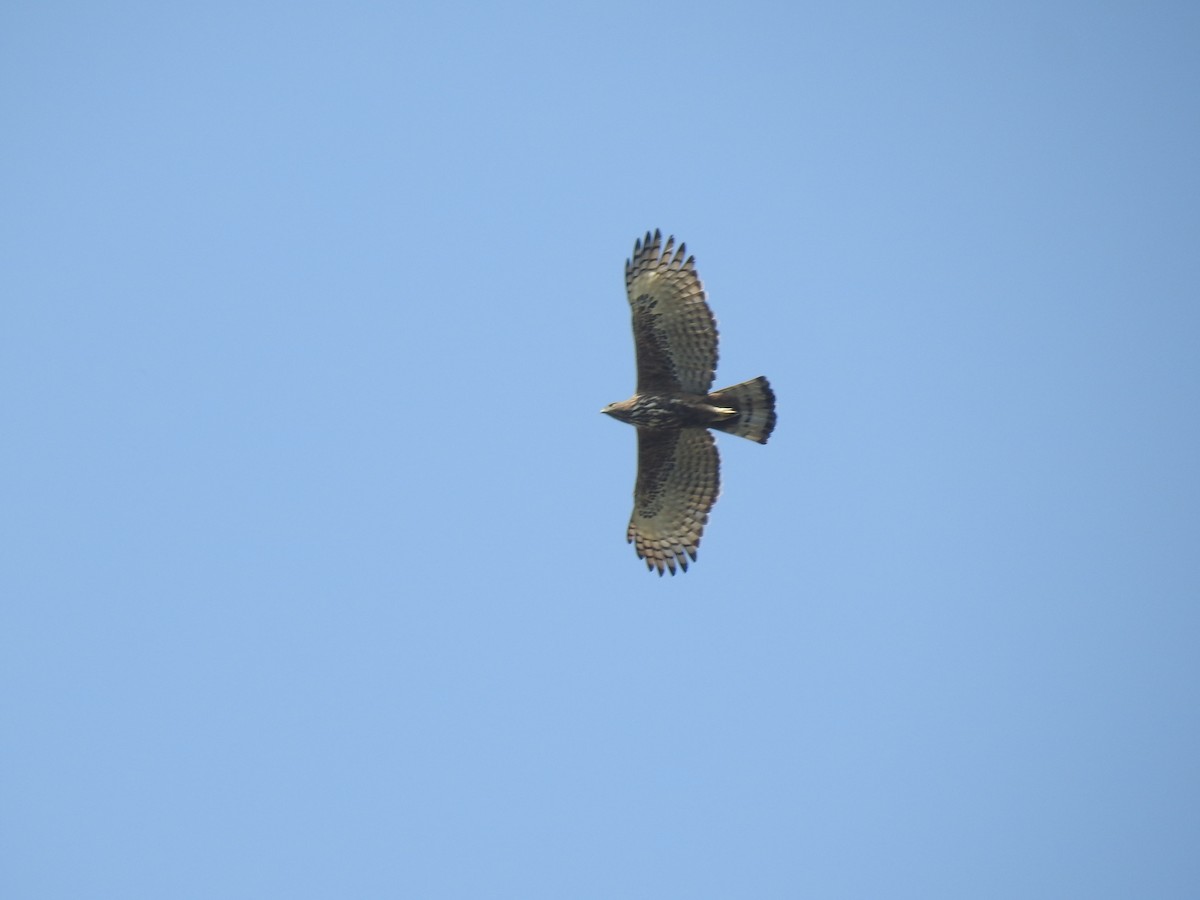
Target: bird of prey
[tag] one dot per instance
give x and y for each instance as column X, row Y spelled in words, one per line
column 675, row 336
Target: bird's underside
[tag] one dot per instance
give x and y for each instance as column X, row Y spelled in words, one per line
column 675, row 337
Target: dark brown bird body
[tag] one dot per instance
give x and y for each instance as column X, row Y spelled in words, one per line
column 667, row 411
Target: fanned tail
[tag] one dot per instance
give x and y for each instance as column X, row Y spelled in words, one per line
column 754, row 403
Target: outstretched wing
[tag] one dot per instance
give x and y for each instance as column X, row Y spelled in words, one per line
column 674, row 331
column 677, row 484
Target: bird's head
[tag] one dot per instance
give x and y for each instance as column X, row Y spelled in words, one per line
column 618, row 410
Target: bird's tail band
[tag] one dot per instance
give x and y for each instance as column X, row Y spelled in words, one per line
column 754, row 404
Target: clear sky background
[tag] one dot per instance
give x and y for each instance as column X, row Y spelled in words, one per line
column 313, row 564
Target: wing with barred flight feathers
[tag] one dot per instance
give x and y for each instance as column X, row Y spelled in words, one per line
column 674, row 331
column 677, row 484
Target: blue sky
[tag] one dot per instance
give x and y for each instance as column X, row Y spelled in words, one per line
column 313, row 568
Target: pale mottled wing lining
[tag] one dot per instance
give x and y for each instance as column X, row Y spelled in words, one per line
column 677, row 484
column 674, row 331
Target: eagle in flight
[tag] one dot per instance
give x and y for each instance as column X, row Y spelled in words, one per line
column 675, row 336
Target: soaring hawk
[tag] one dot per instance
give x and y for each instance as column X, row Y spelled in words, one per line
column 678, row 469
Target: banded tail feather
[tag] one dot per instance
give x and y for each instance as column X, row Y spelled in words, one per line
column 753, row 403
